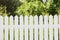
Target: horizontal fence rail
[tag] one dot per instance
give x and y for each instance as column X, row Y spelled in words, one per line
column 30, row 27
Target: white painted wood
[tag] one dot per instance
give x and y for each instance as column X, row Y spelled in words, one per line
column 31, row 27
column 59, row 26
column 21, row 27
column 36, row 27
column 21, row 33
column 16, row 20
column 31, row 19
column 6, row 27
column 35, row 20
column 55, row 19
column 41, row 27
column 46, row 19
column 44, row 1
column 11, row 27
column 16, row 27
column 11, row 20
column 51, row 20
column 26, row 33
column 31, row 33
column 50, row 27
column 45, row 27
column 35, row 32
column 1, row 28
column 26, row 20
column 40, row 20
column 26, row 27
column 56, row 27
column 21, row 20
column 59, row 19
column 1, row 20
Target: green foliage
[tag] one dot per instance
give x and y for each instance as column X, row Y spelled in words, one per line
column 11, row 5
column 36, row 7
column 31, row 8
column 3, row 11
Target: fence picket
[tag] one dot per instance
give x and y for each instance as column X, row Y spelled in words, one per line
column 21, row 27
column 31, row 27
column 36, row 27
column 6, row 27
column 45, row 27
column 56, row 27
column 40, row 20
column 50, row 27
column 35, row 20
column 41, row 27
column 59, row 26
column 16, row 27
column 26, row 27
column 59, row 19
column 11, row 27
column 1, row 28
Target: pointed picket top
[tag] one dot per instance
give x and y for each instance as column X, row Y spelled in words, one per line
column 36, row 20
column 55, row 19
column 11, row 20
column 16, row 20
column 0, row 16
column 50, row 19
column 21, row 20
column 59, row 19
column 46, row 19
column 1, row 20
column 26, row 20
column 56, row 27
column 44, row 1
column 40, row 19
column 16, row 27
column 1, row 28
column 31, row 20
column 6, row 20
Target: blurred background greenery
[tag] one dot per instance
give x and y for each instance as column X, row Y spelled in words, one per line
column 29, row 7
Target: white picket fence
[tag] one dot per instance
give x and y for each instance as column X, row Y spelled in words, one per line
column 30, row 28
